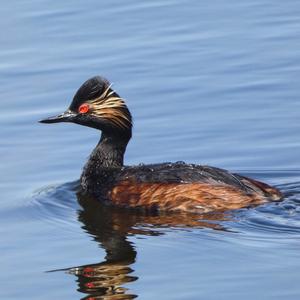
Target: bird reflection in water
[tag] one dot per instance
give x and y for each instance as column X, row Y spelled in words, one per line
column 111, row 227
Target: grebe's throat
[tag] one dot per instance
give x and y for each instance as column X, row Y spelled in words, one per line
column 109, row 152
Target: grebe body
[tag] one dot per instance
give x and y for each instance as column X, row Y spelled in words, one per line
column 158, row 187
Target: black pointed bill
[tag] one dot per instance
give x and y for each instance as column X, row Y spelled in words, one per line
column 67, row 116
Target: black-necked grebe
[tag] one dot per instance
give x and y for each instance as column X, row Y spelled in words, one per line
column 162, row 187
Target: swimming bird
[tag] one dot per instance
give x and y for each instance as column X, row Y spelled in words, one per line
column 156, row 187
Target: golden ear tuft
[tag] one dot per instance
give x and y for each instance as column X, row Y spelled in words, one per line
column 111, row 107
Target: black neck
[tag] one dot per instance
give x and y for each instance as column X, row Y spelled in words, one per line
column 109, row 152
column 105, row 158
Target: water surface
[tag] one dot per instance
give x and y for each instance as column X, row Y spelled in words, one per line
column 212, row 83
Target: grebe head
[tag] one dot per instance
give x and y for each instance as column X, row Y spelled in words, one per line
column 97, row 105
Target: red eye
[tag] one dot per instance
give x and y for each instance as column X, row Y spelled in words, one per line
column 84, row 108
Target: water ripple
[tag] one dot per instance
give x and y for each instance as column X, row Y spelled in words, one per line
column 55, row 204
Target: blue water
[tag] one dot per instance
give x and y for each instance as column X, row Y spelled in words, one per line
column 207, row 82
